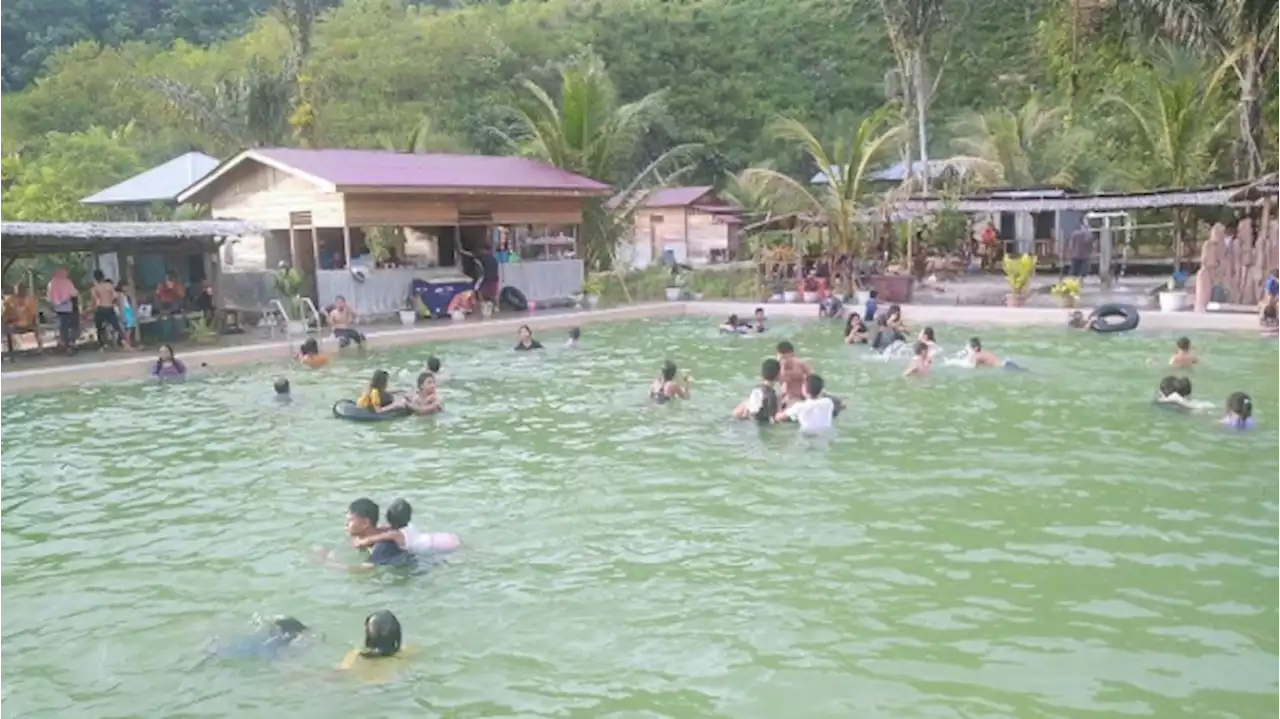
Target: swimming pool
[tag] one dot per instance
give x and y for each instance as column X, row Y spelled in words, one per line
column 978, row 544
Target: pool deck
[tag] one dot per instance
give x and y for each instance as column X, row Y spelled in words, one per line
column 96, row 367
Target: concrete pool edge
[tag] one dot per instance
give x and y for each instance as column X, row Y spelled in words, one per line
column 134, row 367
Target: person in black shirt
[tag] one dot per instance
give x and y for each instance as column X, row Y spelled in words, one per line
column 527, row 342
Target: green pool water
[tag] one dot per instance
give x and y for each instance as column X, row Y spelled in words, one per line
column 979, row 544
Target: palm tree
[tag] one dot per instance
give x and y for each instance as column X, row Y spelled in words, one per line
column 422, row 139
column 248, row 110
column 1242, row 33
column 1031, row 146
column 848, row 163
column 1174, row 117
column 1173, row 114
column 589, row 131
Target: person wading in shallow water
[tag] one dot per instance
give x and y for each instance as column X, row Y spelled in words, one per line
column 794, row 371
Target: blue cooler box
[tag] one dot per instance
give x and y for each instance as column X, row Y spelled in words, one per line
column 436, row 295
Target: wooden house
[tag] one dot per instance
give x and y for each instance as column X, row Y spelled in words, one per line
column 692, row 223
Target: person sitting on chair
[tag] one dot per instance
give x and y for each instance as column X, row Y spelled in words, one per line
column 20, row 317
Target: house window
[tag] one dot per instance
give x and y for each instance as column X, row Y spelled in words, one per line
column 655, row 219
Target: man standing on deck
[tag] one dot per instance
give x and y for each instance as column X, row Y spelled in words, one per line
column 1080, row 248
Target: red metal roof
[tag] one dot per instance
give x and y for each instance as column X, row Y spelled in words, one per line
column 376, row 168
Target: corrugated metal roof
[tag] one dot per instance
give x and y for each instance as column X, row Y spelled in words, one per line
column 676, row 196
column 161, row 183
column 375, row 168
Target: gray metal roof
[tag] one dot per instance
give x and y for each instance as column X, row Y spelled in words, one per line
column 161, row 183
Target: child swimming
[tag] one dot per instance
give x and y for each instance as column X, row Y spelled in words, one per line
column 381, row 657
column 376, row 396
column 793, row 373
column 268, row 642
column 733, row 325
column 406, row 536
column 984, row 358
column 1239, row 412
column 762, row 404
column 309, row 354
column 425, row 400
column 759, row 326
column 920, row 362
column 574, row 335
column 1182, row 354
column 855, row 331
column 282, row 390
column 814, row 412
column 665, row 387
column 167, row 366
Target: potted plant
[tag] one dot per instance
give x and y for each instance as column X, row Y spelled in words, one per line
column 1018, row 273
column 809, row 291
column 674, row 286
column 202, row 332
column 1067, row 291
column 408, row 315
column 591, row 289
column 1173, row 298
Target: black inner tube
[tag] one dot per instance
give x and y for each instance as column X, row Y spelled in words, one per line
column 1114, row 318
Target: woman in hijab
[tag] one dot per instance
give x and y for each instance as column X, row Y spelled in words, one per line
column 65, row 299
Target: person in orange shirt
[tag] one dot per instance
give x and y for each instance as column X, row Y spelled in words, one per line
column 20, row 317
column 309, row 354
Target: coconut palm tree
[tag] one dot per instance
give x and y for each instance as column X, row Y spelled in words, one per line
column 589, row 131
column 422, row 139
column 911, row 25
column 1032, row 145
column 849, row 162
column 1242, row 34
column 1173, row 114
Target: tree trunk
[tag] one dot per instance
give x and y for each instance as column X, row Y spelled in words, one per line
column 920, row 86
column 1248, row 158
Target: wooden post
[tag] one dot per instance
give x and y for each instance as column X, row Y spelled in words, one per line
column 315, row 250
column 293, row 247
column 346, row 244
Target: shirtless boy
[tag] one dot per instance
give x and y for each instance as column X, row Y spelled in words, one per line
column 981, row 357
column 793, row 373
column 104, row 310
column 341, row 317
column 1182, row 354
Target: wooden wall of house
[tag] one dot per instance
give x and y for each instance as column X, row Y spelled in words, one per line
column 370, row 210
column 265, row 195
column 692, row 232
column 705, row 236
column 415, row 209
column 656, row 227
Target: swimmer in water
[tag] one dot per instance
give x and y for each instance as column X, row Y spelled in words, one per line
column 1239, row 412
column 794, row 372
column 759, row 326
column 400, row 530
column 574, row 335
column 814, row 412
column 893, row 319
column 268, row 642
column 1268, row 322
column 1077, row 320
column 376, row 396
column 309, row 354
column 885, row 335
column 666, row 387
column 527, row 343
column 362, row 522
column 381, row 657
column 733, row 325
column 926, row 336
column 425, row 400
column 282, row 390
column 920, row 363
column 762, row 404
column 1183, row 357
column 983, row 358
column 855, row 331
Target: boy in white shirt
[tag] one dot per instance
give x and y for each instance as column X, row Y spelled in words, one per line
column 815, row 411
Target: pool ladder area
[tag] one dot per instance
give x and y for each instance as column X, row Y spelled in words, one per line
column 277, row 316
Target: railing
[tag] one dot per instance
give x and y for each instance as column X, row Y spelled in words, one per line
column 315, row 313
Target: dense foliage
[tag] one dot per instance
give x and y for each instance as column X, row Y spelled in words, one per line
column 98, row 90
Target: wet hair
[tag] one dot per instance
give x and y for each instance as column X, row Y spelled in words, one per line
column 759, row 310
column 668, row 371
column 1241, row 405
column 813, row 385
column 1184, row 343
column 732, row 321
column 1168, row 386
column 922, row 348
column 381, row 635
column 873, row 294
column 339, row 298
column 786, row 348
column 1184, row 387
column 366, row 508
column 288, row 627
column 770, row 369
column 310, row 346
column 433, row 364
column 423, row 377
column 574, row 333
column 928, row 333
column 282, row 386
column 1076, row 319
column 525, row 328
column 975, row 343
column 379, row 380
column 98, row 276
column 399, row 514
column 895, row 311
column 855, row 320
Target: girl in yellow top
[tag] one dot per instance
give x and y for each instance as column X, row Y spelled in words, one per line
column 382, row 657
column 376, row 396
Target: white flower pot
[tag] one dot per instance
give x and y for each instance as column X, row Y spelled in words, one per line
column 775, row 298
column 810, row 297
column 1173, row 301
column 593, row 301
column 673, row 294
column 408, row 317
column 458, row 315
column 486, row 309
column 789, row 296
